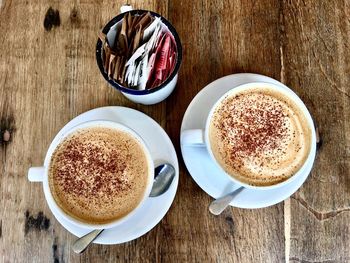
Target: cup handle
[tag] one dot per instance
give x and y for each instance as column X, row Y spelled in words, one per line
column 193, row 137
column 36, row 174
column 125, row 8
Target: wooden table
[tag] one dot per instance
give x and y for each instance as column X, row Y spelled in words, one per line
column 48, row 75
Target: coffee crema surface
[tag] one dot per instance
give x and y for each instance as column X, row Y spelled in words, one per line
column 259, row 136
column 98, row 175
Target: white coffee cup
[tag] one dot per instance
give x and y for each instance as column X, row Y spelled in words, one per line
column 41, row 174
column 200, row 137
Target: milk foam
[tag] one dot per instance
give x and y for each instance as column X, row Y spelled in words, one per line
column 98, row 175
column 259, row 136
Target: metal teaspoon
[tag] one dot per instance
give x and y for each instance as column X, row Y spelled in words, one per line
column 217, row 206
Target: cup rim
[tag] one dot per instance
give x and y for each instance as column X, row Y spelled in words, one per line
column 115, row 84
column 95, row 123
column 295, row 98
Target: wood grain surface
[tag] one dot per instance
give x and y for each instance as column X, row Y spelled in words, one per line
column 48, row 75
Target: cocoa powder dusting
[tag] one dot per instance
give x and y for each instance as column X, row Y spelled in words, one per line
column 251, row 125
column 99, row 174
column 84, row 169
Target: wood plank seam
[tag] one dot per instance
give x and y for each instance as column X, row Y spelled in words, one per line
column 287, row 203
column 287, row 228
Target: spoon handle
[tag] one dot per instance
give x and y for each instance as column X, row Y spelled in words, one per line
column 82, row 243
column 217, row 206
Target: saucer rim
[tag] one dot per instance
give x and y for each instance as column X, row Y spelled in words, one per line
column 253, row 78
column 76, row 230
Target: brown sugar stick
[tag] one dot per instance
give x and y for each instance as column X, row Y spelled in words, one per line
column 129, row 19
column 111, row 66
column 137, row 39
column 135, row 21
column 133, row 32
column 122, row 45
column 144, row 28
column 130, row 28
column 102, row 36
column 130, row 25
column 145, row 20
column 123, row 74
column 139, row 18
column 130, row 51
column 121, row 70
column 107, row 56
column 117, row 69
column 104, row 56
column 140, row 28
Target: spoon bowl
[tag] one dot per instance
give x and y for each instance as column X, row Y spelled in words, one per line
column 164, row 175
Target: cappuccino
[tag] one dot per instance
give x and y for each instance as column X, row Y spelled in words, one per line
column 98, row 174
column 259, row 136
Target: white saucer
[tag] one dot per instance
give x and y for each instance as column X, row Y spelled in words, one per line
column 203, row 169
column 155, row 208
